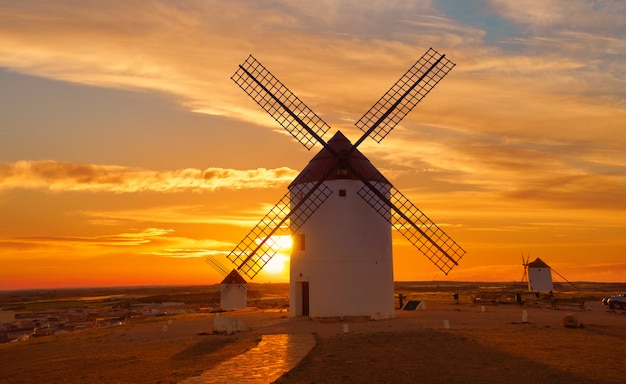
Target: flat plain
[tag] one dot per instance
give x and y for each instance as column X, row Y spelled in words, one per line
column 490, row 341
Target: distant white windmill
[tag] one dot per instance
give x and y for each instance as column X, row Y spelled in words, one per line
column 539, row 276
column 233, row 292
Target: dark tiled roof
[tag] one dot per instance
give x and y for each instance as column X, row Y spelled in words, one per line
column 538, row 263
column 234, row 278
column 325, row 163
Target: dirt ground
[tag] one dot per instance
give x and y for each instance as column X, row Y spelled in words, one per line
column 481, row 344
column 494, row 346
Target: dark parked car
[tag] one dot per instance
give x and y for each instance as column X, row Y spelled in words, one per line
column 615, row 302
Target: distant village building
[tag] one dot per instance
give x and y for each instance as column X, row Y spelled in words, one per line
column 539, row 277
column 234, row 292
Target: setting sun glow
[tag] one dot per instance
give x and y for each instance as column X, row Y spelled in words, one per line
column 127, row 153
column 283, row 242
column 282, row 245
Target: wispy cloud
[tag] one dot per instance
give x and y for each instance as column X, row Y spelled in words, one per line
column 187, row 253
column 357, row 52
column 148, row 241
column 44, row 246
column 57, row 176
column 178, row 214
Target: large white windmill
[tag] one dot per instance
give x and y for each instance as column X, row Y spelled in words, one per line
column 341, row 210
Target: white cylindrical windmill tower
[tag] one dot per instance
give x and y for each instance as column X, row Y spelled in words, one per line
column 539, row 276
column 341, row 263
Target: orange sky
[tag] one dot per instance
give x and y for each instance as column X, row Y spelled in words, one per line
column 127, row 155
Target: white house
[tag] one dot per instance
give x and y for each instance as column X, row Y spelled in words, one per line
column 341, row 263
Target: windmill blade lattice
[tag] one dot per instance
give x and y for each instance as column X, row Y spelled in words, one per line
column 404, row 95
column 219, row 267
column 415, row 226
column 277, row 100
column 260, row 245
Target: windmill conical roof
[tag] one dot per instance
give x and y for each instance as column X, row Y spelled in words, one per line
column 234, row 278
column 538, row 263
column 326, row 164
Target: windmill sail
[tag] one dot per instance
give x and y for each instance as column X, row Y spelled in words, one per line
column 415, row 226
column 260, row 245
column 404, row 95
column 396, row 208
column 219, row 267
column 277, row 100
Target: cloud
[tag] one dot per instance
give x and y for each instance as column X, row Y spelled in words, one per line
column 577, row 191
column 178, row 214
column 45, row 246
column 357, row 51
column 190, row 51
column 148, row 241
column 138, row 237
column 58, row 176
column 187, row 253
column 597, row 16
column 588, row 32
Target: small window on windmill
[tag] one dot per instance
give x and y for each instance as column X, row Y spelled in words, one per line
column 342, row 172
column 301, row 243
column 342, row 192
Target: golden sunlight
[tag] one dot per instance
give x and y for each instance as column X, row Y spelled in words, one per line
column 276, row 264
column 277, row 242
column 282, row 245
column 282, row 242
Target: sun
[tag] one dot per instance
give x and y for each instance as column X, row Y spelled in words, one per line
column 276, row 264
column 282, row 244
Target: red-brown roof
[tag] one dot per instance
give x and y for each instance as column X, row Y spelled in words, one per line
column 538, row 263
column 325, row 163
column 234, row 278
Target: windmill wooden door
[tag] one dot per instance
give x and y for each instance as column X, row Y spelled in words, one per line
column 304, row 298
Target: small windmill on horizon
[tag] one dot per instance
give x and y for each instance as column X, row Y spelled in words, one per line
column 538, row 276
column 340, row 210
